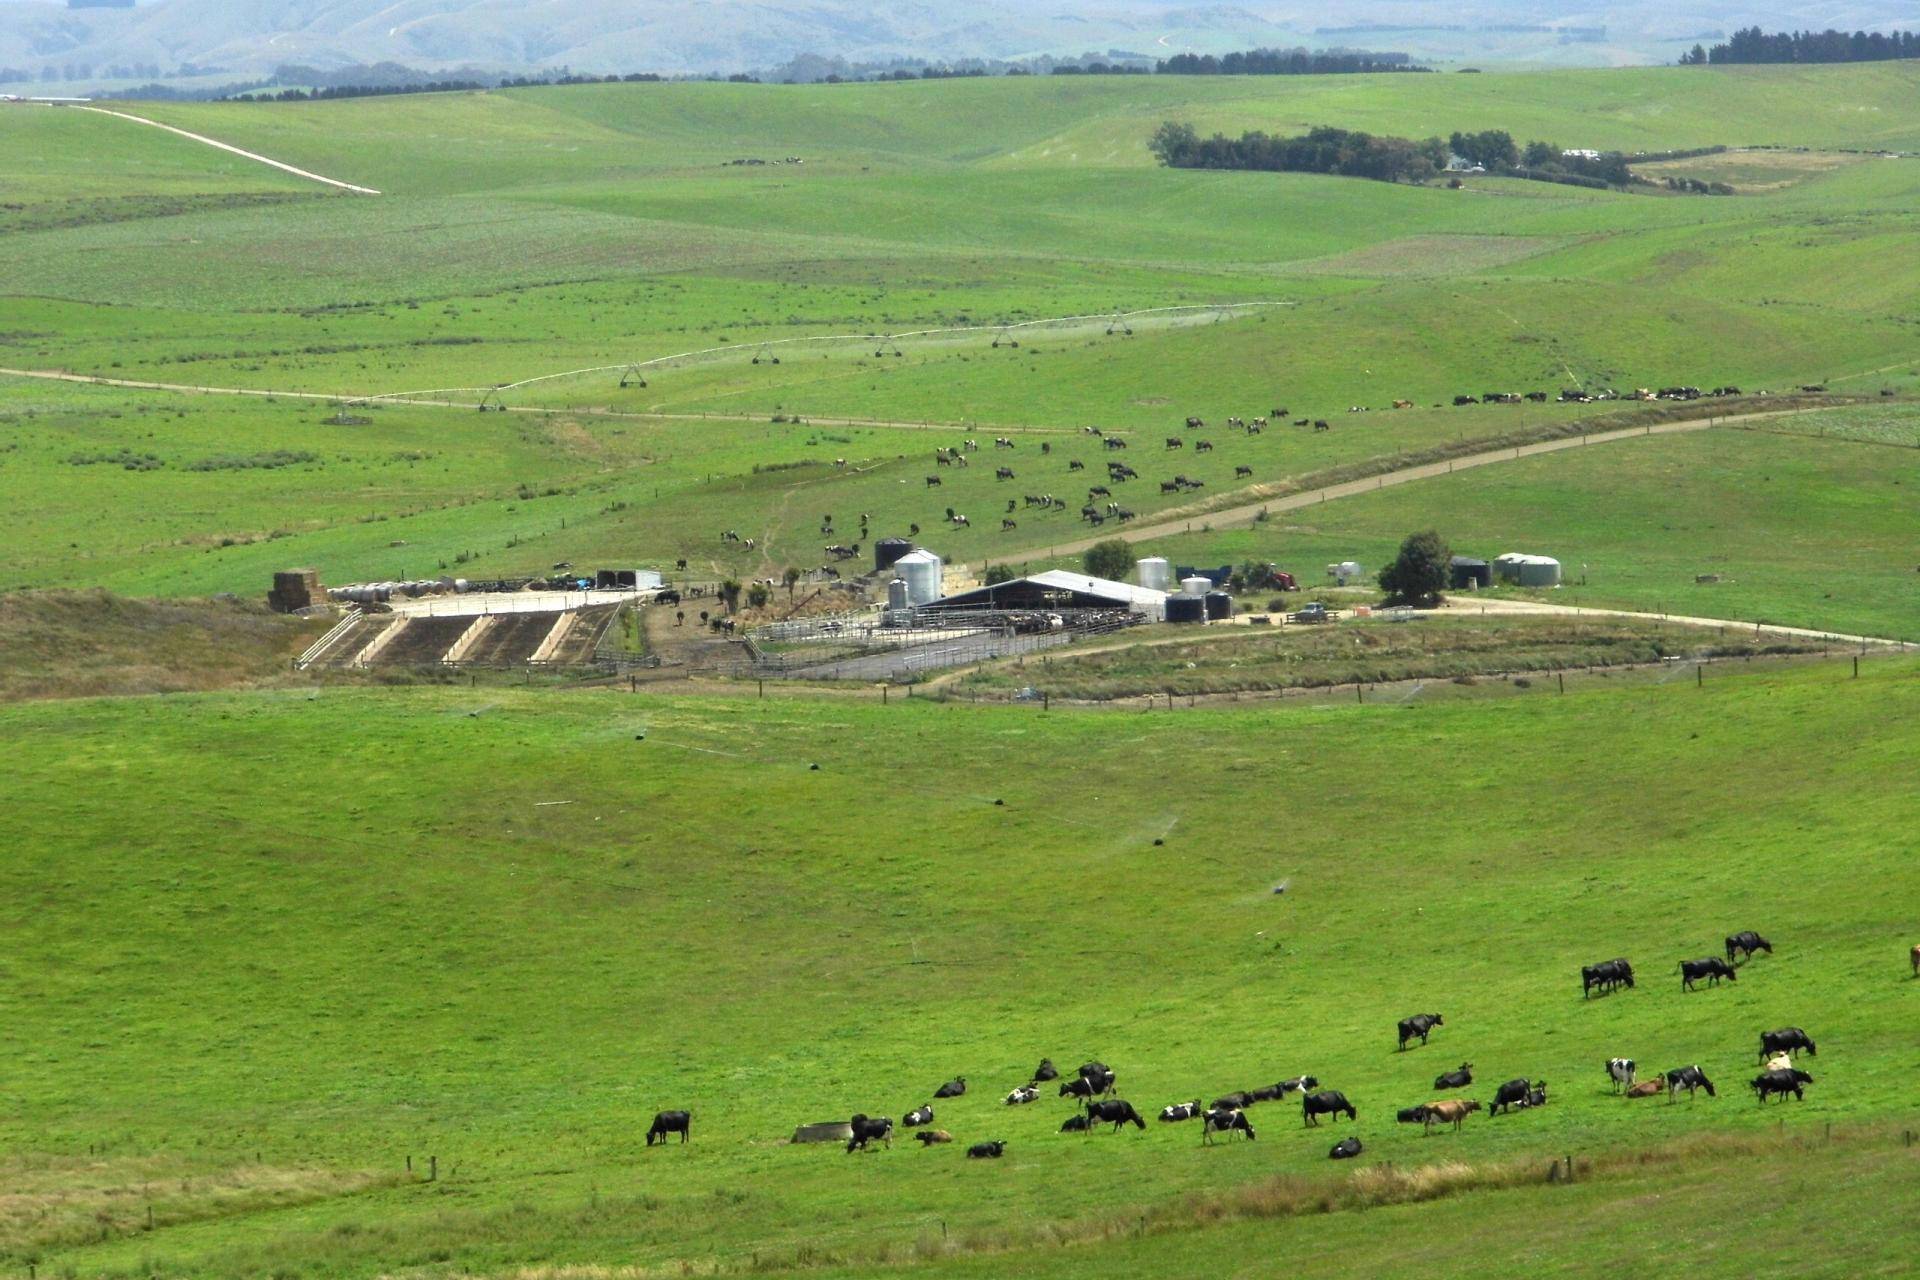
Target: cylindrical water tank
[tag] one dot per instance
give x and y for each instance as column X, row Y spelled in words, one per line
column 1186, row 609
column 897, row 594
column 1156, row 574
column 920, row 570
column 1219, row 605
column 1196, row 585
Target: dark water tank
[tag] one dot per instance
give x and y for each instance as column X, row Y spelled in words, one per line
column 887, row 550
column 1219, row 605
column 1186, row 609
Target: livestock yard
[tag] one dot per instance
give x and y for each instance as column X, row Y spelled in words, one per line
column 972, row 706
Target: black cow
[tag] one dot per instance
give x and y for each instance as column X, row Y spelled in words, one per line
column 1785, row 1081
column 1745, row 943
column 866, row 1129
column 986, row 1150
column 1074, row 1124
column 952, row 1088
column 1513, row 1093
column 1098, row 1075
column 1455, row 1079
column 1688, row 1078
column 1113, row 1111
column 1239, row 1101
column 1411, row 1115
column 1345, row 1149
column 1785, row 1040
column 1225, row 1120
column 1606, row 975
column 666, row 1122
column 1420, row 1024
column 1713, row 968
column 1325, row 1102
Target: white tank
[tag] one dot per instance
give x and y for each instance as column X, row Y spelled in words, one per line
column 897, row 594
column 920, row 570
column 1196, row 585
column 1155, row 573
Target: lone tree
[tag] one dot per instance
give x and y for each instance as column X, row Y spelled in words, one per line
column 1112, row 559
column 758, row 595
column 998, row 573
column 1419, row 573
column 729, row 595
column 791, row 578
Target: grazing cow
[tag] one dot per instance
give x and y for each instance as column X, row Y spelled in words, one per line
column 1023, row 1095
column 1509, row 1095
column 986, row 1150
column 1620, row 1071
column 1645, row 1089
column 1203, row 446
column 1225, row 1120
column 1745, row 943
column 959, row 522
column 1114, row 442
column 933, row 1137
column 1045, row 447
column 1099, row 491
column 1688, row 1078
column 1236, row 422
column 1008, row 524
column 1194, row 422
column 922, row 1114
column 1345, row 1149
column 1239, row 1101
column 1784, row 1082
column 953, row 1088
column 933, row 482
column 1180, row 1111
column 1169, row 486
column 1454, row 1109
column 666, row 1122
column 1113, row 1111
column 1076, row 1088
column 1455, row 1079
column 1606, row 975
column 1411, row 1115
column 1003, row 473
column 1001, row 442
column 1045, row 1071
column 1243, row 473
column 1713, row 968
column 1915, row 957
column 866, row 1129
column 1074, row 1124
column 1175, row 442
column 1788, row 1040
column 1325, row 1102
column 1537, row 397
column 1420, row 1024
column 1074, row 464
column 1321, row 424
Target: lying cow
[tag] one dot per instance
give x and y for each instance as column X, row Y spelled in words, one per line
column 1074, row 1124
column 1180, row 1111
column 1786, row 1040
column 1420, row 1024
column 1345, row 1149
column 1298, row 1084
column 1045, row 1071
column 1023, row 1095
column 1620, row 1071
column 1234, row 1101
column 666, row 1122
column 986, row 1150
column 867, row 1129
column 922, row 1114
column 952, row 1088
column 1645, row 1089
column 1325, row 1102
column 1713, row 968
column 1225, row 1120
column 1411, row 1115
column 933, row 1137
column 1448, row 1109
column 1458, row 1079
column 1688, row 1078
column 1784, row 1082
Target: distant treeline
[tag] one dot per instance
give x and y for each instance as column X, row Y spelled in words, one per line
column 1286, row 62
column 434, row 86
column 1755, row 45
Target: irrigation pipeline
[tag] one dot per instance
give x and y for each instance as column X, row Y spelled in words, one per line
column 1114, row 320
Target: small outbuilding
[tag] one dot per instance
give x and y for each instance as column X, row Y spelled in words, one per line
column 887, row 551
column 1464, row 573
column 1059, row 589
column 1521, row 570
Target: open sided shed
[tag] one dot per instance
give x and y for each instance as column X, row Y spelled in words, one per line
column 1059, row 589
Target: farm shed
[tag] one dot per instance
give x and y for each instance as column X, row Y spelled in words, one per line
column 888, row 550
column 1059, row 589
column 1527, row 571
column 1464, row 573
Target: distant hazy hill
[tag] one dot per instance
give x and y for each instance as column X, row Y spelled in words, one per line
column 692, row 36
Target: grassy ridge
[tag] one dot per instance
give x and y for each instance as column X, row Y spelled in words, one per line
column 424, row 961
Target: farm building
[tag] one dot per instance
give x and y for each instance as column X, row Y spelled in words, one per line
column 1527, row 571
column 1059, row 589
column 1464, row 573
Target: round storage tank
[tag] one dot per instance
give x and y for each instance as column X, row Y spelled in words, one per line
column 1196, row 586
column 1186, row 609
column 920, row 570
column 897, row 594
column 1219, row 605
column 1155, row 573
column 887, row 551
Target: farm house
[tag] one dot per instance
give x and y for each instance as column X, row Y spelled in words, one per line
column 1059, row 589
column 1521, row 570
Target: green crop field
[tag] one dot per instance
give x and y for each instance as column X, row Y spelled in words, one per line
column 321, row 977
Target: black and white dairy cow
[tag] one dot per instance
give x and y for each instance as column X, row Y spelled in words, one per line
column 1787, row 1040
column 666, row 1122
column 869, row 1129
column 1688, row 1078
column 922, row 1114
column 1023, row 1095
column 1420, row 1024
column 1620, row 1071
column 1225, row 1120
column 1181, row 1111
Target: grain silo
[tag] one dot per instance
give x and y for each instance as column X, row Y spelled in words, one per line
column 1196, row 586
column 920, row 570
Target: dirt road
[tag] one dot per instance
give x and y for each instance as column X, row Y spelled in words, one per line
column 229, row 147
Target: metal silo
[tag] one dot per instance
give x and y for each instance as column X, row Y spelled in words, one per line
column 1155, row 573
column 920, row 570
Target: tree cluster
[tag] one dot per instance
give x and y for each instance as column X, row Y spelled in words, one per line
column 1285, row 62
column 1345, row 152
column 1755, row 45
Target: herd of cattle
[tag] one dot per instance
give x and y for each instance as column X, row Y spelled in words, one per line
column 1095, row 1086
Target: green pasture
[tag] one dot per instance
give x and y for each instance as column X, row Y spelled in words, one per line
column 277, row 943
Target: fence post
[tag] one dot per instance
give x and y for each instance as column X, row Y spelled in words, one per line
column 433, row 1168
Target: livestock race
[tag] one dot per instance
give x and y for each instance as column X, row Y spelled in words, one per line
column 947, row 644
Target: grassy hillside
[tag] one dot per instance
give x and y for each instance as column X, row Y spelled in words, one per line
column 348, row 929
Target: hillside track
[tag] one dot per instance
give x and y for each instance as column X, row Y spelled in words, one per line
column 281, row 165
column 1466, row 604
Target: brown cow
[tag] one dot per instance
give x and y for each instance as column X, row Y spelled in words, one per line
column 1454, row 1109
column 929, row 1137
column 1645, row 1089
column 1916, row 959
